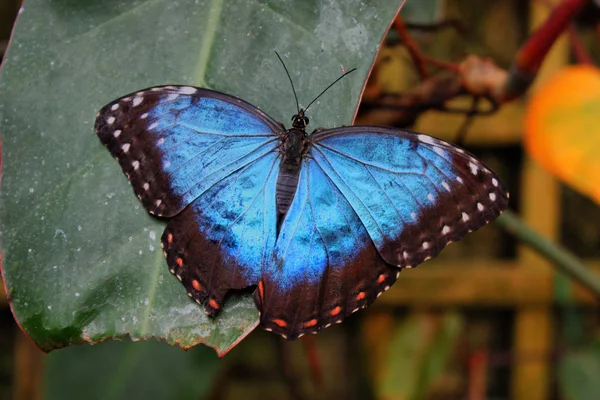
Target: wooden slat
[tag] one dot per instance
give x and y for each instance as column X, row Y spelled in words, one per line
column 533, row 325
column 27, row 384
column 478, row 283
column 502, row 128
column 533, row 329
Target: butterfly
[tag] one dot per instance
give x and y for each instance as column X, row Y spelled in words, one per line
column 320, row 224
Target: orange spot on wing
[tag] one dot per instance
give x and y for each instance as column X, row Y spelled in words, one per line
column 310, row 323
column 281, row 323
column 261, row 290
column 179, row 261
column 335, row 311
column 213, row 303
column 381, row 278
column 196, row 285
column 361, row 296
column 170, row 238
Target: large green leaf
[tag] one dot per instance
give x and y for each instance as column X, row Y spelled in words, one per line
column 82, row 260
column 125, row 370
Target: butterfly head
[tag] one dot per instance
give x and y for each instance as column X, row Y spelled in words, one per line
column 300, row 120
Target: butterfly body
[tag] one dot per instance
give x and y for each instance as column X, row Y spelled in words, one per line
column 294, row 146
column 321, row 224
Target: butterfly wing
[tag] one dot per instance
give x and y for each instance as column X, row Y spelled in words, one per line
column 369, row 200
column 324, row 266
column 221, row 241
column 209, row 161
column 175, row 142
column 413, row 193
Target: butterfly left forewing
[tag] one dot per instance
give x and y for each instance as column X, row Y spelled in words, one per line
column 175, row 142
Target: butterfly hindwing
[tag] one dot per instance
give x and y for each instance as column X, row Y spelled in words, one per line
column 324, row 267
column 175, row 142
column 413, row 193
column 221, row 241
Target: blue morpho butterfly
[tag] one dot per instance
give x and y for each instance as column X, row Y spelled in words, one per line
column 320, row 223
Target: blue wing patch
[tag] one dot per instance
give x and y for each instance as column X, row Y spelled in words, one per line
column 324, row 266
column 413, row 193
column 223, row 239
column 175, row 142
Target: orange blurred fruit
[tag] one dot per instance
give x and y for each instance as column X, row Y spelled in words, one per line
column 562, row 128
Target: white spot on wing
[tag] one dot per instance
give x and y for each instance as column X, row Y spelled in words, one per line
column 187, row 90
column 438, row 151
column 115, row 107
column 465, row 217
column 493, row 196
column 153, row 125
column 473, row 168
column 146, row 187
column 144, row 116
column 125, row 147
column 480, row 206
column 117, row 133
column 135, row 164
column 425, row 245
column 446, row 186
column 137, row 100
column 110, row 120
column 430, row 197
column 426, row 139
column 172, row 96
column 160, row 141
column 446, row 230
column 495, row 182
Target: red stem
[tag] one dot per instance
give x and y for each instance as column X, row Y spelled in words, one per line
column 316, row 372
column 412, row 47
column 532, row 53
column 581, row 53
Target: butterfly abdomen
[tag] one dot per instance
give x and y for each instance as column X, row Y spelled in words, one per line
column 293, row 149
column 287, row 182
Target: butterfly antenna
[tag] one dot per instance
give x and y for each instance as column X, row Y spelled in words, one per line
column 291, row 83
column 327, row 88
